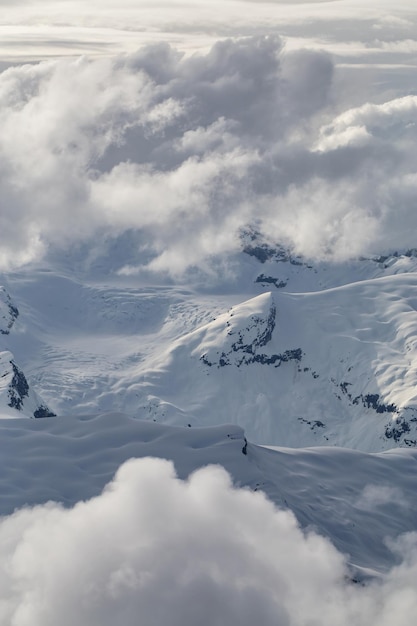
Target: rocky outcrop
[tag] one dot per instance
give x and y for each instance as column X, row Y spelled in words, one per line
column 15, row 391
column 248, row 331
column 8, row 312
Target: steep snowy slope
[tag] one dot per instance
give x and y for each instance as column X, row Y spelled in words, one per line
column 333, row 367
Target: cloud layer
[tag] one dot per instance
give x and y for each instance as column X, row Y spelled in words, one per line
column 33, row 30
column 155, row 550
column 186, row 151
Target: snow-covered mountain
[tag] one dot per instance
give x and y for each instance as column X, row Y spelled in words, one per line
column 163, row 383
column 335, row 366
column 296, row 353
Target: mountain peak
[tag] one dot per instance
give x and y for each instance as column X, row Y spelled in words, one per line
column 239, row 335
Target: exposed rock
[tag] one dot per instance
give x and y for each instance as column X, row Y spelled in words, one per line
column 270, row 280
column 14, row 387
column 18, row 388
column 8, row 312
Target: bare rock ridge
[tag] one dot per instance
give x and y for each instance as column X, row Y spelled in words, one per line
column 8, row 312
column 15, row 391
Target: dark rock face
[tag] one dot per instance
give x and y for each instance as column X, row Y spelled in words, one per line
column 254, row 245
column 369, row 401
column 18, row 391
column 277, row 359
column 43, row 411
column 8, row 312
column 270, row 280
column 400, row 428
column 245, row 352
column 19, row 388
column 262, row 338
column 264, row 359
column 372, row 401
column 263, row 252
column 403, row 429
column 313, row 424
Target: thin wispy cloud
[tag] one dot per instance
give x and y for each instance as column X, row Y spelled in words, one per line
column 126, row 25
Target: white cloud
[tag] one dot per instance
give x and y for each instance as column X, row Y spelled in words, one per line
column 157, row 550
column 376, row 119
column 188, row 150
column 41, row 29
column 379, row 495
column 351, row 136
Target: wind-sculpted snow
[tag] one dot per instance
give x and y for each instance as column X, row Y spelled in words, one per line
column 196, row 548
column 71, row 459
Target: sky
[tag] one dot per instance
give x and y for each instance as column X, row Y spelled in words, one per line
column 373, row 33
column 35, row 29
column 181, row 123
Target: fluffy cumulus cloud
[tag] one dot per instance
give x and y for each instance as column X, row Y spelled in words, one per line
column 154, row 550
column 185, row 151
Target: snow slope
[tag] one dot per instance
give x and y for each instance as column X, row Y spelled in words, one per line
column 295, row 353
column 71, row 459
column 199, row 374
column 336, row 366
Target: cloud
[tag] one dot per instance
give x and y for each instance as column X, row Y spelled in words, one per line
column 162, row 551
column 379, row 495
column 185, row 151
column 376, row 120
